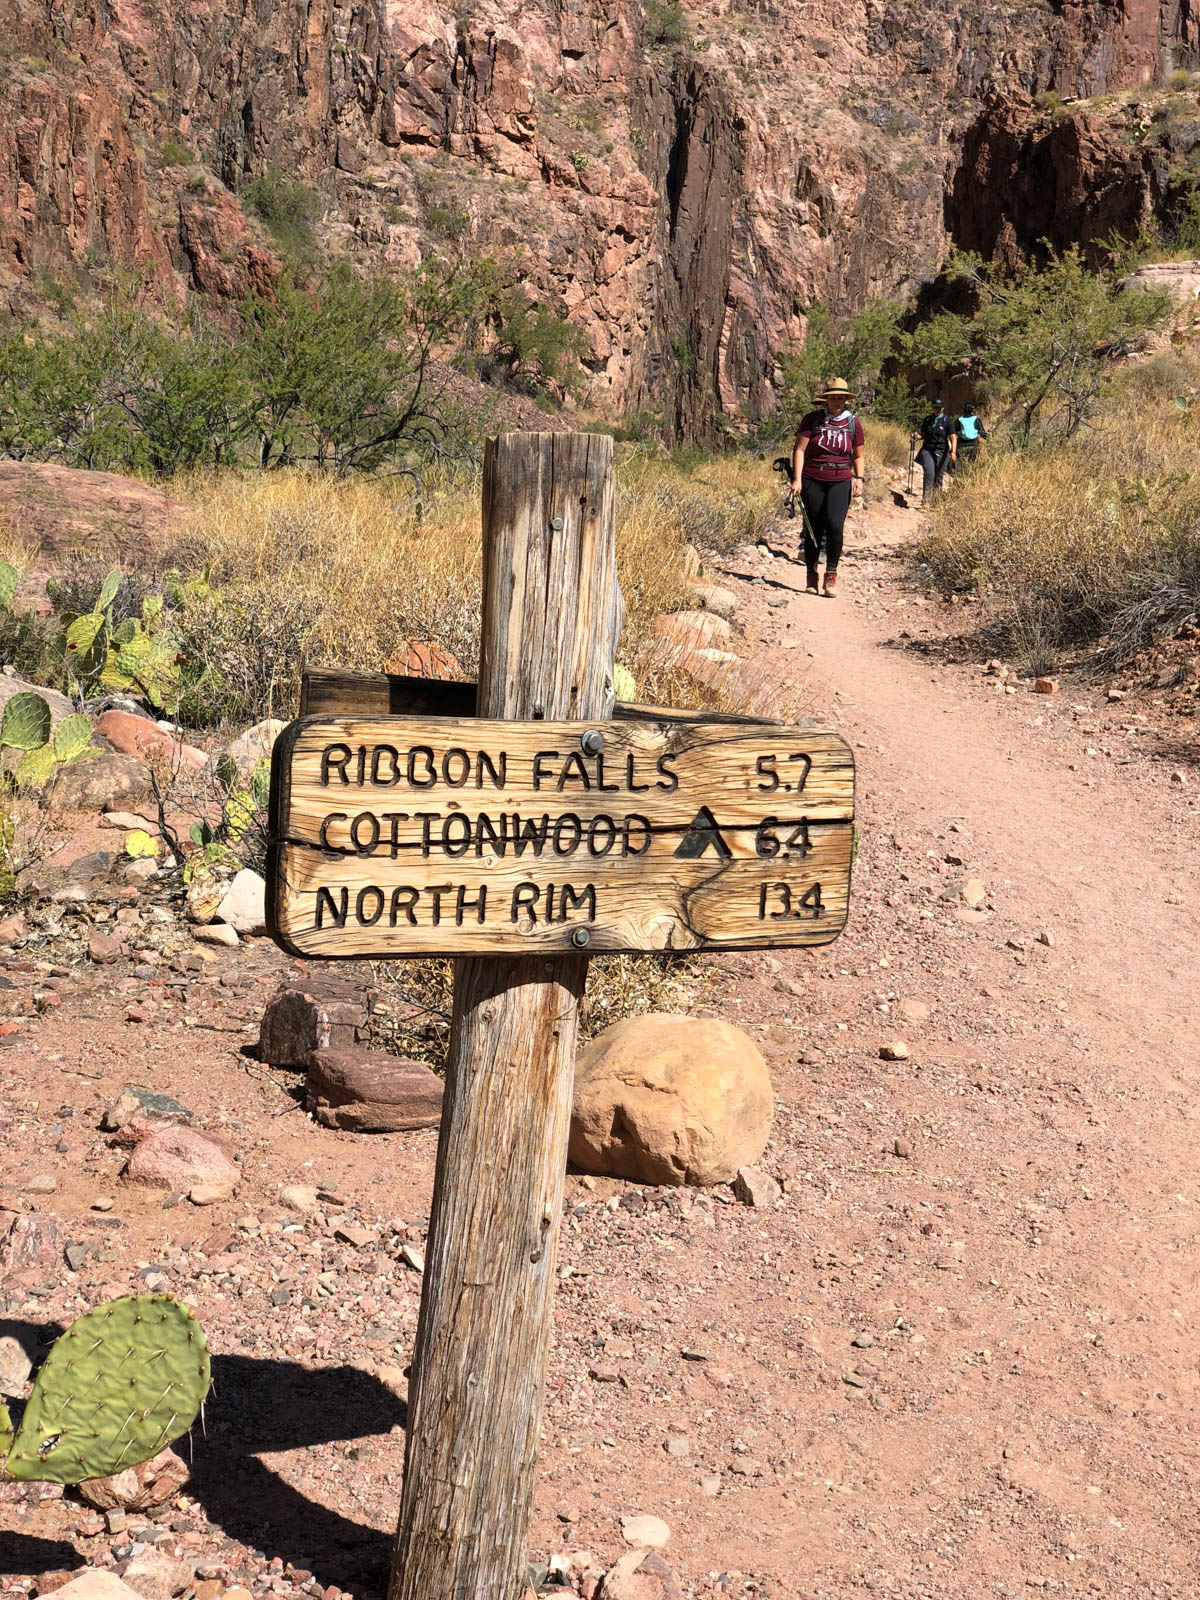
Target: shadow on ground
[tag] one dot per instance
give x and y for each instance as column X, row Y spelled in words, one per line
column 257, row 1407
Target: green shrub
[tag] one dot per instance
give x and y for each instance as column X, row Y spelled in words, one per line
column 286, row 207
column 666, row 22
column 1179, row 80
column 175, row 153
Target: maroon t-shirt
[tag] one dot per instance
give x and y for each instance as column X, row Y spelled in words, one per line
column 832, row 441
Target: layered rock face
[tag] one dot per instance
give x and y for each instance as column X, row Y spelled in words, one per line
column 683, row 183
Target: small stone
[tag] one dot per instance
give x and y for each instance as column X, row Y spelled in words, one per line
column 245, row 904
column 1046, row 938
column 974, row 894
column 75, row 1255
column 347, row 1233
column 853, row 1380
column 216, row 933
column 127, row 821
column 15, row 1365
column 755, row 1188
column 645, row 1532
column 298, row 1197
column 135, row 1103
column 116, row 1521
column 1179, row 779
column 1017, row 944
column 42, row 1184
column 679, row 1448
column 914, row 1010
column 213, row 1192
column 710, row 1486
column 863, row 1341
column 1045, row 686
column 902, row 1148
column 894, row 1050
column 1116, row 694
column 105, row 948
column 105, row 1203
column 412, row 1257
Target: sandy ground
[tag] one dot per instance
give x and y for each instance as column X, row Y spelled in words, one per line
column 958, row 1360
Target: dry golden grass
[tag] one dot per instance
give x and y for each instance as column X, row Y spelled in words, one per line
column 1075, row 541
column 887, row 443
column 316, row 571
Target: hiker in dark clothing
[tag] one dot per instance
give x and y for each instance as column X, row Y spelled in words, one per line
column 971, row 433
column 827, row 469
column 939, row 448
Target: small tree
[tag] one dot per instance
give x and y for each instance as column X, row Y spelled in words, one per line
column 855, row 348
column 1044, row 335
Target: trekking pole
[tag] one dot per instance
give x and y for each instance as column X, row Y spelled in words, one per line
column 912, row 456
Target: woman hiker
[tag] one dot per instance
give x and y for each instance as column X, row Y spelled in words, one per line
column 970, row 432
column 827, row 467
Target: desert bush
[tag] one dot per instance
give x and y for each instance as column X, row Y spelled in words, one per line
column 1095, row 538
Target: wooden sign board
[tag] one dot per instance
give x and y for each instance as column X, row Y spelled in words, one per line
column 416, row 836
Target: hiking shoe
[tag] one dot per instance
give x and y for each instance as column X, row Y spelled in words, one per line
column 831, row 583
column 811, row 581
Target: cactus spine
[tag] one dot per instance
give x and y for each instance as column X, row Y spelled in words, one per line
column 122, row 1382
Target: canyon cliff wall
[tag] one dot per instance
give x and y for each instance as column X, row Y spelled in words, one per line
column 683, row 184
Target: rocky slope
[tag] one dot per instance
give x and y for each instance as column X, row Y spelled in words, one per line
column 684, row 184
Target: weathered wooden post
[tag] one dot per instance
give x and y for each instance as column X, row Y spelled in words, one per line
column 519, row 829
column 550, row 620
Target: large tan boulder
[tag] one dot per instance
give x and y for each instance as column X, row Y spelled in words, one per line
column 670, row 1100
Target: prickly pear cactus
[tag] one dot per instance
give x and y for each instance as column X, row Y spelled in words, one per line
column 121, row 1383
column 6, row 1433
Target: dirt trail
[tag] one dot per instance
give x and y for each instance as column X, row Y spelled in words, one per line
column 1075, row 1135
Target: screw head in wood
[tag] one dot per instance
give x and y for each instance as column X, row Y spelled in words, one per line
column 556, row 524
column 592, row 742
column 581, row 937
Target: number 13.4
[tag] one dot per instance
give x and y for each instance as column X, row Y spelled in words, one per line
column 790, row 902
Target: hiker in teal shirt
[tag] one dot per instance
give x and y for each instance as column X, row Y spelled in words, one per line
column 971, row 431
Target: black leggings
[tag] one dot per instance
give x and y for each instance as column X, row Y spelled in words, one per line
column 825, row 508
column 933, row 467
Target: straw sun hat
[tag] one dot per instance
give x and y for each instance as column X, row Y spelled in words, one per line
column 835, row 389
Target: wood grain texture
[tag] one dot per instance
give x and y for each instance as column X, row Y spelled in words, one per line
column 422, row 836
column 551, row 617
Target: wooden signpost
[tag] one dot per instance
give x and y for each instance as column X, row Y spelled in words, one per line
column 522, row 826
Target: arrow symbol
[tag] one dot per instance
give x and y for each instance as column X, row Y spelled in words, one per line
column 703, row 835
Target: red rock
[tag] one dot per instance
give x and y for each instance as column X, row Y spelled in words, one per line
column 138, row 736
column 105, row 948
column 167, row 1156
column 9, row 1028
column 12, row 928
column 1045, row 686
column 141, row 1488
column 313, row 1014
column 366, row 1091
column 422, row 659
column 28, row 1240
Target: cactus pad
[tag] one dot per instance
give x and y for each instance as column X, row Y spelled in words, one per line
column 72, row 738
column 26, row 723
column 6, row 1434
column 122, row 1382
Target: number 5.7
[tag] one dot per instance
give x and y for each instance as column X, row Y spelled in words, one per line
column 765, row 767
